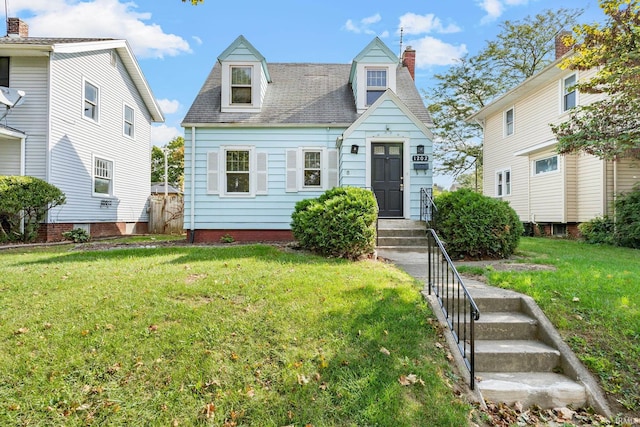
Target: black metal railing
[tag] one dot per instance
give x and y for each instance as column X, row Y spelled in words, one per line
column 428, row 208
column 458, row 307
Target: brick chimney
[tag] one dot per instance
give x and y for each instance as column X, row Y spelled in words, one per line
column 409, row 61
column 17, row 28
column 561, row 48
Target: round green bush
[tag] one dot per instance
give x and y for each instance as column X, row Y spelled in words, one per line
column 627, row 225
column 477, row 226
column 598, row 230
column 340, row 223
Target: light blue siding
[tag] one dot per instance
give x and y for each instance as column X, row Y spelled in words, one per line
column 400, row 129
column 271, row 211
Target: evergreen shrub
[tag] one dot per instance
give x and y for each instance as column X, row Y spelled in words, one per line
column 477, row 226
column 339, row 223
column 627, row 232
column 598, row 230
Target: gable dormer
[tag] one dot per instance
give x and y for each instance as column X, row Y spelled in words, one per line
column 372, row 72
column 245, row 77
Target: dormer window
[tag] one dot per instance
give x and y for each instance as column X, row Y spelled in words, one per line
column 376, row 84
column 241, row 85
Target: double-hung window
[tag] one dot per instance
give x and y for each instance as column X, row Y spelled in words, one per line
column 509, row 122
column 569, row 93
column 102, row 177
column 376, row 84
column 128, row 121
column 312, row 169
column 237, row 168
column 546, row 165
column 91, row 98
column 503, row 182
column 241, row 85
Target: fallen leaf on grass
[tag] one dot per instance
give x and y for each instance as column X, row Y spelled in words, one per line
column 21, row 331
column 407, row 380
column 209, row 410
column 385, row 351
column 250, row 392
column 302, row 380
column 153, row 328
column 575, row 299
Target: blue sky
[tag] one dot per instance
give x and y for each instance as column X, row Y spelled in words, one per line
column 177, row 44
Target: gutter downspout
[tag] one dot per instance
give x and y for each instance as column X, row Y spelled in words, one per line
column 193, row 184
column 615, row 185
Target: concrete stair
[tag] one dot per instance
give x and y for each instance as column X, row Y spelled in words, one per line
column 402, row 235
column 514, row 362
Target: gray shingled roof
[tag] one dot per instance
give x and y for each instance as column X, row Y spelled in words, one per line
column 44, row 41
column 299, row 94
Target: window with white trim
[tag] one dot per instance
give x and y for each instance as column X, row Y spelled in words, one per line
column 546, row 165
column 569, row 93
column 311, row 169
column 376, row 84
column 237, row 171
column 128, row 121
column 241, row 85
column 509, row 119
column 102, row 177
column 91, row 96
column 503, row 182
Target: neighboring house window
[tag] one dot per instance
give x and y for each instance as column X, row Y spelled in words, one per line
column 312, row 169
column 546, row 165
column 4, row 71
column 508, row 122
column 237, row 171
column 569, row 93
column 102, row 177
column 241, row 85
column 376, row 84
column 129, row 121
column 503, row 182
column 91, row 97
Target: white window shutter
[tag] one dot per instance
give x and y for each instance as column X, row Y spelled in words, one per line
column 262, row 177
column 332, row 169
column 212, row 173
column 292, row 171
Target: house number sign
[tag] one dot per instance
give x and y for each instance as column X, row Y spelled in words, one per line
column 420, row 158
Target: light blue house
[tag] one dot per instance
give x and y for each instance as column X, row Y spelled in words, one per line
column 261, row 136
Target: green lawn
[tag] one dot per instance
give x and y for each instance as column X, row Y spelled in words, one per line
column 238, row 335
column 593, row 298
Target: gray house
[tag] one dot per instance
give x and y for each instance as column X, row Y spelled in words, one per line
column 83, row 124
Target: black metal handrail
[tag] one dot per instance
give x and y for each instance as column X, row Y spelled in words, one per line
column 428, row 208
column 458, row 307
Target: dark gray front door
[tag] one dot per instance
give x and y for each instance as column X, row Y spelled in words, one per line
column 386, row 178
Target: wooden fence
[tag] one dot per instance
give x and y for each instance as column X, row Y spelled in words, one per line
column 166, row 216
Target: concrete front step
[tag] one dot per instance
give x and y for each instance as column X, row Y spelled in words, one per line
column 505, row 326
column 515, row 356
column 402, row 232
column 402, row 241
column 490, row 304
column 544, row 389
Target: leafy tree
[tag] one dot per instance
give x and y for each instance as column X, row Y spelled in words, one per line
column 471, row 180
column 193, row 2
column 521, row 49
column 610, row 127
column 175, row 162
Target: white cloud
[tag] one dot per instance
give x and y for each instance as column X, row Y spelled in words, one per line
column 161, row 135
column 71, row 18
column 495, row 8
column 363, row 26
column 431, row 51
column 169, row 106
column 424, row 24
column 384, row 34
column 197, row 39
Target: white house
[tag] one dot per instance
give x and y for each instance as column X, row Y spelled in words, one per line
column 549, row 191
column 83, row 125
column 261, row 136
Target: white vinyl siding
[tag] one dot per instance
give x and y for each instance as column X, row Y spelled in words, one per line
column 9, row 157
column 74, row 141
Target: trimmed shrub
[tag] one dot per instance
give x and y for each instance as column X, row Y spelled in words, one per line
column 598, row 230
column 25, row 198
column 477, row 226
column 340, row 223
column 627, row 232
